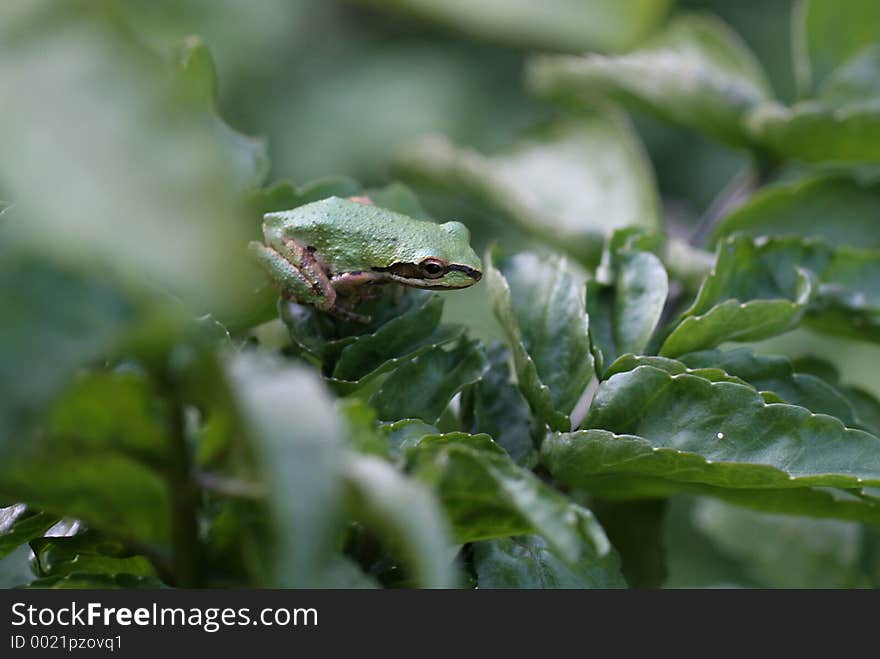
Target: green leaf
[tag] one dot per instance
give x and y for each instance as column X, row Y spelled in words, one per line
column 107, row 107
column 686, row 429
column 540, row 306
column 18, row 526
column 635, row 529
column 624, row 313
column 818, row 132
column 85, row 581
column 410, row 334
column 398, row 198
column 196, row 79
column 486, row 495
column 406, row 514
column 528, row 561
column 671, row 366
column 696, row 73
column 554, row 24
column 804, row 208
column 52, row 321
column 298, row 438
column 87, row 553
column 748, row 295
column 571, row 183
column 438, row 375
column 776, row 374
column 780, row 551
column 827, row 34
column 493, row 405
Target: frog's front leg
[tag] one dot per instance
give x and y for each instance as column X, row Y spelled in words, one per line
column 298, row 275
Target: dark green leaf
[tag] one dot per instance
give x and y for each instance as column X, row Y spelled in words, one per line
column 553, row 24
column 748, row 295
column 777, row 375
column 635, row 530
column 18, row 526
column 697, row 73
column 85, row 581
column 528, row 561
column 540, row 305
column 687, row 429
column 572, row 183
column 422, row 387
column 835, row 208
column 87, row 553
column 486, row 495
column 493, row 405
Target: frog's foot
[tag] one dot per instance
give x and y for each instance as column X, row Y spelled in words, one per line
column 346, row 314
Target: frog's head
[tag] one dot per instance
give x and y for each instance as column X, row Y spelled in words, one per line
column 446, row 261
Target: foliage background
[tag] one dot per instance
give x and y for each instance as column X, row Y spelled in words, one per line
column 121, row 172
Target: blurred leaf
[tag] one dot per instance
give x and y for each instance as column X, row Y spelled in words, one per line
column 52, row 321
column 398, row 198
column 528, row 561
column 827, row 33
column 817, row 132
column 363, row 432
column 422, row 387
column 737, row 302
column 605, row 25
column 571, row 183
column 635, row 529
column 113, row 411
column 776, row 374
column 87, row 553
column 284, row 195
column 407, row 516
column 18, row 526
column 85, row 581
column 136, row 180
column 486, row 495
column 298, row 438
column 697, row 73
column 785, row 552
column 493, row 405
column 540, row 305
column 624, row 313
column 807, row 208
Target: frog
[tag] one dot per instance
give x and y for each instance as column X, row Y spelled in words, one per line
column 333, row 253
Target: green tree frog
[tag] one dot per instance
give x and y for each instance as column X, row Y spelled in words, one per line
column 331, row 253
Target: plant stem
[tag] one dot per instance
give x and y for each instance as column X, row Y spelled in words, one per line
column 185, row 500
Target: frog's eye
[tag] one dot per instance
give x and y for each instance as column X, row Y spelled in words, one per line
column 432, row 268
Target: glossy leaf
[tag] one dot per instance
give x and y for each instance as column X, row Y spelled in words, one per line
column 687, row 429
column 486, row 495
column 19, row 526
column 87, row 553
column 540, row 306
column 439, row 374
column 696, row 72
column 837, row 209
column 527, row 561
column 555, row 25
column 772, row 373
column 624, row 313
column 494, row 405
column 85, row 581
column 747, row 296
column 572, row 183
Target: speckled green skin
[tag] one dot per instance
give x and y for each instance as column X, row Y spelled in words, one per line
column 351, row 237
column 342, row 246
